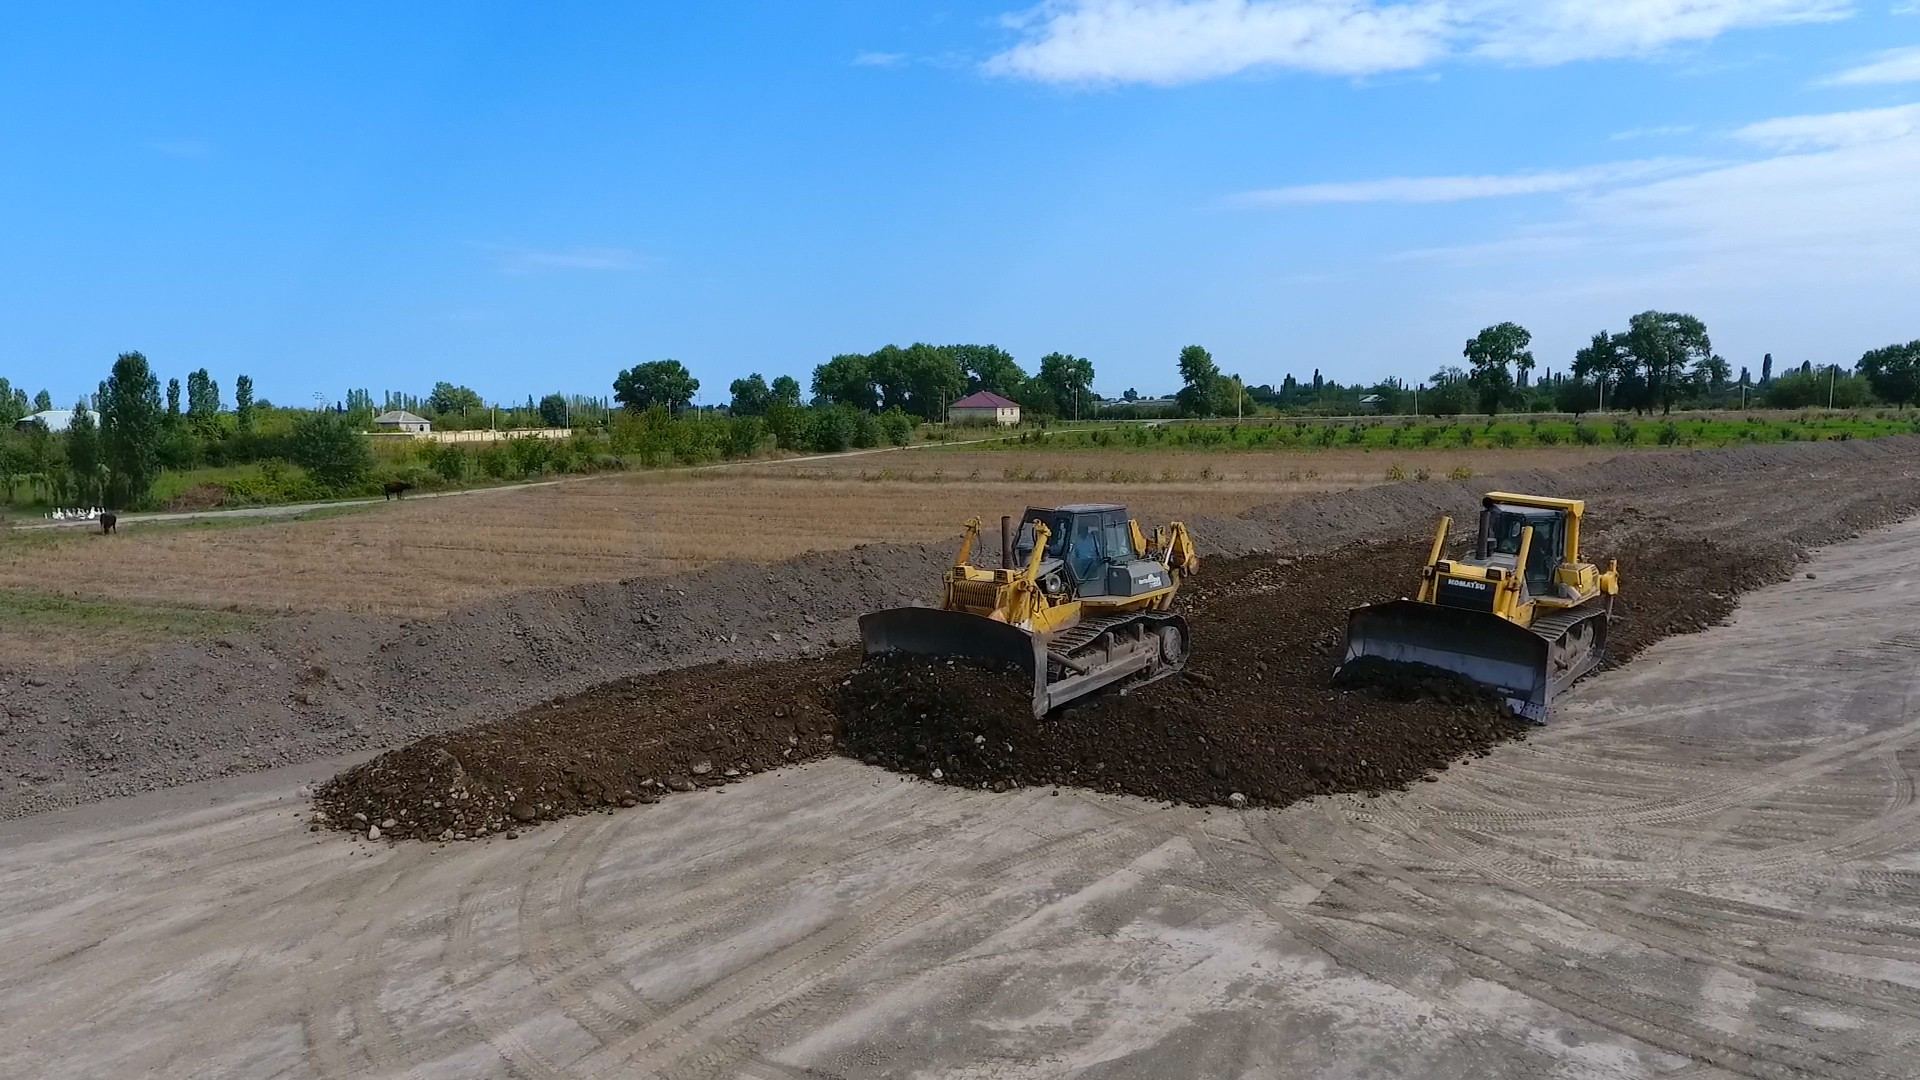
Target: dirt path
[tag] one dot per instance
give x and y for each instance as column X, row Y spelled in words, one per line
column 1705, row 867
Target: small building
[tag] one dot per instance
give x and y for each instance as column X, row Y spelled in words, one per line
column 402, row 421
column 984, row 407
column 56, row 420
column 1372, row 403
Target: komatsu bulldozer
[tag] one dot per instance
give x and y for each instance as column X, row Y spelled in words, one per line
column 1081, row 601
column 1520, row 613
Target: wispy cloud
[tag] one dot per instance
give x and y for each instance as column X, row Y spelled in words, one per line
column 1447, row 189
column 1657, row 131
column 180, row 148
column 879, row 59
column 1167, row 42
column 1892, row 66
column 1831, row 130
column 512, row 260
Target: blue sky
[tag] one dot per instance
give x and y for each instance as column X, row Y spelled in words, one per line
column 527, row 197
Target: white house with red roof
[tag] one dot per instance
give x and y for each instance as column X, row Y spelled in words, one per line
column 984, row 407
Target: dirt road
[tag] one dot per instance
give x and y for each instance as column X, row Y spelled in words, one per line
column 1706, row 867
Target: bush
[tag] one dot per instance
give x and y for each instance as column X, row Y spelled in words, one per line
column 1466, row 436
column 1460, row 472
column 1624, row 432
column 743, row 436
column 1507, row 438
column 1669, row 433
column 1547, row 436
column 448, row 461
column 495, row 461
column 897, row 427
column 1430, row 435
column 866, row 430
column 331, row 449
column 530, row 455
column 1395, row 474
column 1585, row 435
column 830, row 429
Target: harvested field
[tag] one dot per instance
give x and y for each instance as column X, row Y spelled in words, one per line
column 426, row 557
column 328, row 685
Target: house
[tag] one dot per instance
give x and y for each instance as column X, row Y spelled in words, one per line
column 1372, row 403
column 56, row 420
column 984, row 407
column 402, row 421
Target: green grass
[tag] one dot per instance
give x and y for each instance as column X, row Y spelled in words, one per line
column 1409, row 433
column 21, row 608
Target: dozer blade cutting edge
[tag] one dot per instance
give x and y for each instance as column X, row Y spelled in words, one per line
column 940, row 634
column 1515, row 662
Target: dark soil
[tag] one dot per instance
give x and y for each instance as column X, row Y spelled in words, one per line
column 627, row 743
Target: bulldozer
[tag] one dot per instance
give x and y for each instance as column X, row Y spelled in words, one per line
column 1520, row 613
column 1081, row 600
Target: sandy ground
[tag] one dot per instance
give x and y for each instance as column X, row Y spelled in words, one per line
column 1706, row 867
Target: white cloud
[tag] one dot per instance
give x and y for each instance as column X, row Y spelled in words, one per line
column 1833, row 130
column 879, row 59
column 1892, row 66
column 1558, row 31
column 1657, row 131
column 534, row 261
column 1166, row 42
column 1445, row 189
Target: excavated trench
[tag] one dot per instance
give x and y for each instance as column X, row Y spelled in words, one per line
column 1254, row 720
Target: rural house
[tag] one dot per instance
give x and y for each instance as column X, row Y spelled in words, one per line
column 402, row 421
column 984, row 407
column 56, row 420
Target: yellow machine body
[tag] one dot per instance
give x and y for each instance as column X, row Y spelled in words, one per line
column 1520, row 613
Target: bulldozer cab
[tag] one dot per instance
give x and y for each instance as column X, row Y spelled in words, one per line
column 1501, row 528
column 1087, row 538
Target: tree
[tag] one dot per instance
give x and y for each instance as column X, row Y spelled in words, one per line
column 173, row 401
column 83, row 453
column 666, row 383
column 919, row 379
column 750, row 396
column 1576, row 395
column 130, row 422
column 1200, row 394
column 10, row 409
column 243, row 402
column 1766, row 369
column 330, row 448
column 553, row 410
column 988, row 367
column 42, row 401
column 1664, row 344
column 846, row 379
column 1067, row 381
column 1894, row 372
column 449, row 400
column 1711, row 373
column 203, row 395
column 786, row 391
column 1451, row 391
column 1606, row 362
column 1495, row 353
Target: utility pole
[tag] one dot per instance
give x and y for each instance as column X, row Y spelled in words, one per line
column 1833, row 378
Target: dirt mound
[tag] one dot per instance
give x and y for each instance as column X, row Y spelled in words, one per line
column 631, row 742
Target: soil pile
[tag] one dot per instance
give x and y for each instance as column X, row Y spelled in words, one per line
column 1255, row 714
column 623, row 744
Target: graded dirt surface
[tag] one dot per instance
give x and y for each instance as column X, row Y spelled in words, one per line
column 1705, row 867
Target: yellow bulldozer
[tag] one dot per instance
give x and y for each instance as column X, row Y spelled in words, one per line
column 1082, row 600
column 1520, row 613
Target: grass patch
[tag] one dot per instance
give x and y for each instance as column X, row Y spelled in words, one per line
column 1397, row 432
column 22, row 610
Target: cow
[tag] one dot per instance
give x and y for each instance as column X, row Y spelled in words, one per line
column 395, row 489
column 109, row 523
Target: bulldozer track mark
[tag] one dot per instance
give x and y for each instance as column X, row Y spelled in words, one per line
column 770, row 994
column 1429, row 917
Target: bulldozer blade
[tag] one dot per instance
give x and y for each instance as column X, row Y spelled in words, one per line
column 1511, row 660
column 940, row 634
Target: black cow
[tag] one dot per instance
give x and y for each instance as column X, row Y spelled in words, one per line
column 394, row 489
column 109, row 522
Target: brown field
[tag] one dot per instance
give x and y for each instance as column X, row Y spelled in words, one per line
column 75, row 594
